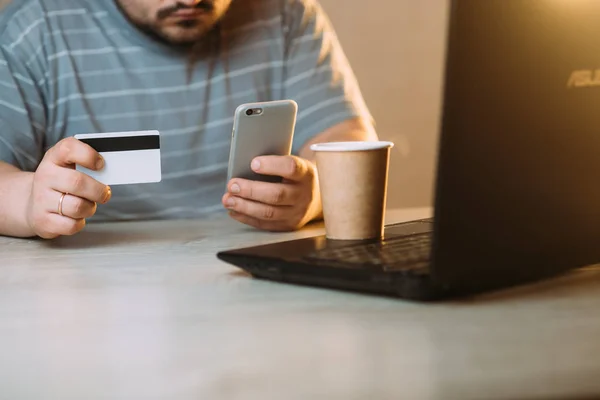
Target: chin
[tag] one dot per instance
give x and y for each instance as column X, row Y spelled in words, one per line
column 184, row 35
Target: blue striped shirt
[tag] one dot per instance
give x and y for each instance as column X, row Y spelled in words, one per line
column 79, row 66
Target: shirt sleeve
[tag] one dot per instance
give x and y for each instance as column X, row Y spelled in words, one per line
column 317, row 73
column 22, row 114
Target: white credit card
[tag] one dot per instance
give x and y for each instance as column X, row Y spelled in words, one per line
column 130, row 157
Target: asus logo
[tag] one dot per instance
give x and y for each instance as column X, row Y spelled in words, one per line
column 584, row 78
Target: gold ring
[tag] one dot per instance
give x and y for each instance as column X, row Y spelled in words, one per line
column 60, row 204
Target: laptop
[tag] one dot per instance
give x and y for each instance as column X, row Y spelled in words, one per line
column 517, row 187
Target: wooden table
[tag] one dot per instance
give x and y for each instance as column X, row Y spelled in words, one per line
column 144, row 310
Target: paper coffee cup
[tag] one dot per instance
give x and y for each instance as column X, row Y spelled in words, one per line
column 353, row 180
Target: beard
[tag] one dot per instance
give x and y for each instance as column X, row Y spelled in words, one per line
column 177, row 24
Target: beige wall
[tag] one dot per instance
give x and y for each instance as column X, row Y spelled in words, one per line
column 396, row 49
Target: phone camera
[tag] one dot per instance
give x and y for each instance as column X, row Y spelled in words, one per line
column 249, row 112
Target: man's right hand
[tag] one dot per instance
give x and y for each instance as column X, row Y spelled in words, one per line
column 55, row 176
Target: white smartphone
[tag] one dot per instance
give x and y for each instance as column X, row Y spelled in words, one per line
column 265, row 128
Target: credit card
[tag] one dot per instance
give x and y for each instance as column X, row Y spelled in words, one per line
column 130, row 157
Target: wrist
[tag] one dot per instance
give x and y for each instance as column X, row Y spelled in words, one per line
column 14, row 202
column 28, row 203
column 316, row 209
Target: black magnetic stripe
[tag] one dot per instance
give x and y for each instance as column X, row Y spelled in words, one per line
column 124, row 143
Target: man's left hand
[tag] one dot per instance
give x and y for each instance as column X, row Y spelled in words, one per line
column 284, row 206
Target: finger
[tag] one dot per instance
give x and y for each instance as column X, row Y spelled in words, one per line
column 71, row 206
column 288, row 167
column 81, row 185
column 265, row 212
column 71, row 151
column 55, row 225
column 277, row 194
column 257, row 223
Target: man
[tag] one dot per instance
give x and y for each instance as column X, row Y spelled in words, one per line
column 180, row 67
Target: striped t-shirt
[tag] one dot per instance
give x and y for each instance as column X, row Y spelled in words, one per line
column 80, row 66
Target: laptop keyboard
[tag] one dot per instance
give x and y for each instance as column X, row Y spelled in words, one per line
column 400, row 253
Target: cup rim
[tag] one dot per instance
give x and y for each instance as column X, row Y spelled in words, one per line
column 352, row 146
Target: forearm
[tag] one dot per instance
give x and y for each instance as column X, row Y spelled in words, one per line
column 15, row 189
